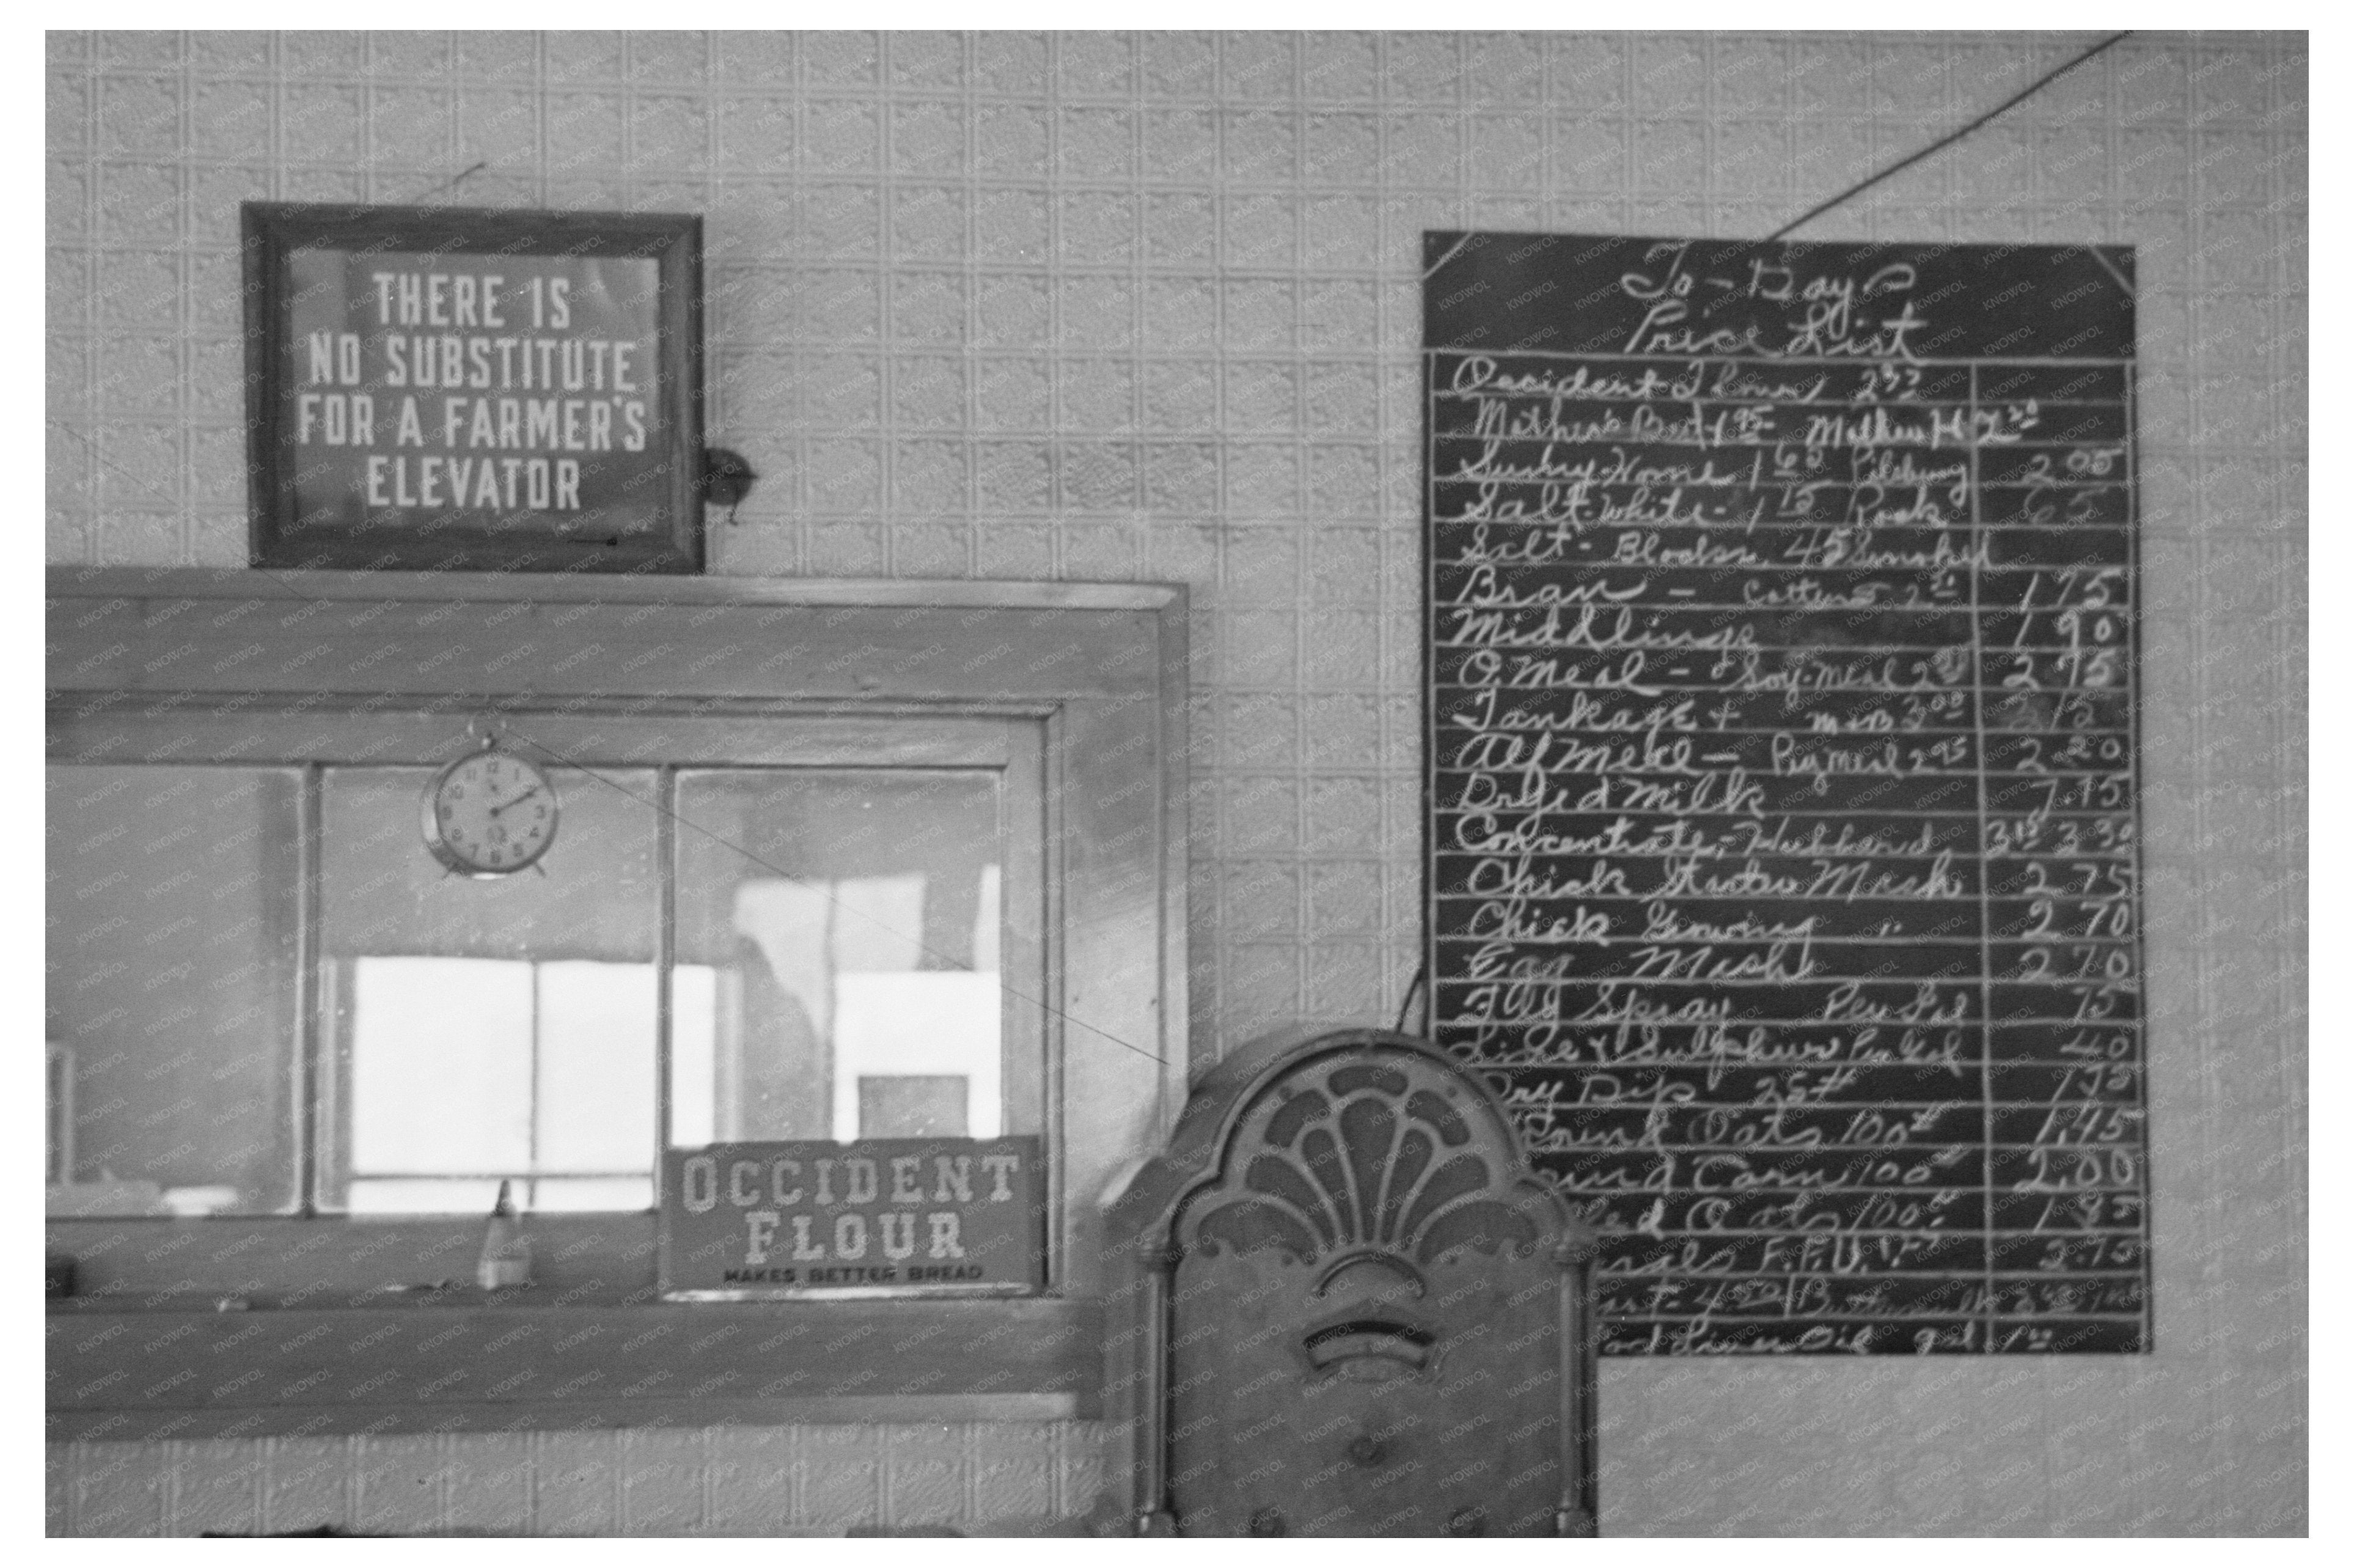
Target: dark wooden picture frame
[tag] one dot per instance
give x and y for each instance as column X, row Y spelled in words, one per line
column 353, row 435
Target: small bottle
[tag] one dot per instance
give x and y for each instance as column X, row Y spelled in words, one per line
column 506, row 1251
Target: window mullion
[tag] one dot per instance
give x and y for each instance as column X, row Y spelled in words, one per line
column 530, row 1126
column 309, row 1116
column 665, row 956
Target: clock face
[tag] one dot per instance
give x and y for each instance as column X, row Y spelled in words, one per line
column 490, row 814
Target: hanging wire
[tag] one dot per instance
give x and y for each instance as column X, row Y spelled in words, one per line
column 820, row 890
column 2013, row 101
column 1412, row 988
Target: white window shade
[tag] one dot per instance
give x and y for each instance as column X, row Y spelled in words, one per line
column 440, row 1066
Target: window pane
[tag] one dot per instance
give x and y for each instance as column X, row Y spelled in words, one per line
column 402, row 1195
column 440, row 1066
column 915, row 1104
column 596, row 1067
column 489, row 1029
column 694, row 1000
column 587, row 1192
column 171, row 995
column 851, row 919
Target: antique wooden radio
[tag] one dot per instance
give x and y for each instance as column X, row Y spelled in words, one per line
column 1343, row 1305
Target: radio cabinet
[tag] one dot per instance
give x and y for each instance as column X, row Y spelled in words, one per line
column 1344, row 1307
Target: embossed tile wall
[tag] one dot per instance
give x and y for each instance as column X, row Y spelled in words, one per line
column 1123, row 306
column 720, row 1481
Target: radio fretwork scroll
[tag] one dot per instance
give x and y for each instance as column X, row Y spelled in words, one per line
column 1782, row 814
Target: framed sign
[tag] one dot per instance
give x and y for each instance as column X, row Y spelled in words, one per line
column 446, row 389
column 880, row 1216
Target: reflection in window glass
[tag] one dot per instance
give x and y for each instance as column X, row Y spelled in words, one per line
column 851, row 917
column 466, row 1072
column 171, row 995
column 936, row 1032
column 490, row 1030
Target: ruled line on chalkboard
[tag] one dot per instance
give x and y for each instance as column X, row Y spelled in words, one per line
column 1524, row 812
column 1865, row 1192
column 1503, row 1035
column 1605, row 1144
column 1909, row 1232
column 1731, row 1065
column 1509, row 392
column 1731, row 1061
column 1769, row 362
column 1728, row 607
column 1654, row 439
column 1908, row 942
column 1644, row 1108
column 1776, row 932
column 2133, row 460
column 1960, row 982
column 1928, row 1275
column 1509, row 808
column 1663, row 730
column 1743, row 527
column 1622, row 649
column 2018, row 778
column 1534, row 395
column 1728, row 1318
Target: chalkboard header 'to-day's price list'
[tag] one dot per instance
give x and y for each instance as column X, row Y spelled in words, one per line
column 1782, row 806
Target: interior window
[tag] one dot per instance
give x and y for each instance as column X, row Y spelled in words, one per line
column 837, row 973
column 832, row 861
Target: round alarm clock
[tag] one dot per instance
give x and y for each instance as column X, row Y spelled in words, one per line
column 490, row 814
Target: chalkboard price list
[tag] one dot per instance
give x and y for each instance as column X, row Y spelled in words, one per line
column 1782, row 853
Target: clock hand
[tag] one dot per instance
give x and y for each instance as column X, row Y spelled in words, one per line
column 518, row 801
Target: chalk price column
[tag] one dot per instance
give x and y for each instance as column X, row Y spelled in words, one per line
column 2056, row 628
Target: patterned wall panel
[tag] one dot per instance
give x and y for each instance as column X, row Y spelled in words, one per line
column 1122, row 306
column 718, row 1481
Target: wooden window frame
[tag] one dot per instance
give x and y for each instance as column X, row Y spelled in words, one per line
column 333, row 1336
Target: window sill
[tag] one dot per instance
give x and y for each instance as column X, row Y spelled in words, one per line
column 339, row 1326
column 471, row 1361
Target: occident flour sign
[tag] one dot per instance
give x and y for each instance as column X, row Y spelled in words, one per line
column 960, row 1215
